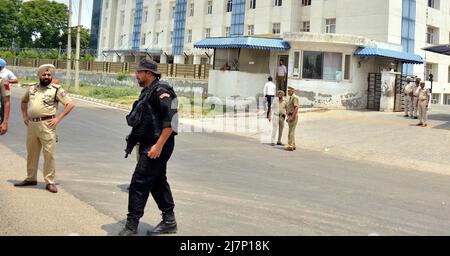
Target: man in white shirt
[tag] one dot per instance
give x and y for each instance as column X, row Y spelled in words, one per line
column 10, row 78
column 269, row 94
column 281, row 76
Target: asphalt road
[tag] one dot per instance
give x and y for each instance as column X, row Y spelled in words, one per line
column 229, row 185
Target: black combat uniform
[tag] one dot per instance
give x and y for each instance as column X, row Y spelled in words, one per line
column 157, row 109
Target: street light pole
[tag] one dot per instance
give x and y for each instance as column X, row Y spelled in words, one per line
column 69, row 47
column 77, row 58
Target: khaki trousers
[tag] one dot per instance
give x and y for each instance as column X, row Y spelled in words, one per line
column 291, row 136
column 415, row 105
column 41, row 136
column 280, row 83
column 278, row 125
column 423, row 115
column 408, row 106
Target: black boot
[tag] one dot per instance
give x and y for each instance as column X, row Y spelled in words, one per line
column 128, row 231
column 168, row 225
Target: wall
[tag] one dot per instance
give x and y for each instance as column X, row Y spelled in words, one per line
column 223, row 84
column 183, row 87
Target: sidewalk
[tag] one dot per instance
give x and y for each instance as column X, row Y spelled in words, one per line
column 33, row 211
column 378, row 137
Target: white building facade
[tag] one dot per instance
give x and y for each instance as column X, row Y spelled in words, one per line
column 167, row 30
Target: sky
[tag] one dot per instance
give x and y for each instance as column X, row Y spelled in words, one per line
column 86, row 13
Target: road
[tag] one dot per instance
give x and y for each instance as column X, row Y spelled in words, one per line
column 229, row 185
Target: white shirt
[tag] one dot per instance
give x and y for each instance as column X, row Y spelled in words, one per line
column 8, row 74
column 282, row 70
column 269, row 89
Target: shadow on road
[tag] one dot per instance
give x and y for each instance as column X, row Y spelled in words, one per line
column 114, row 228
column 441, row 117
column 124, row 187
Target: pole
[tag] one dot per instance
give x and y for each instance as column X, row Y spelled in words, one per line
column 69, row 47
column 77, row 58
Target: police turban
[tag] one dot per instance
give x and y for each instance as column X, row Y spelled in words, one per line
column 46, row 67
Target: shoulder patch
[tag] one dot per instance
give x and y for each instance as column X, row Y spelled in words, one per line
column 164, row 95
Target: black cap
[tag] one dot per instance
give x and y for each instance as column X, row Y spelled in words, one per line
column 148, row 65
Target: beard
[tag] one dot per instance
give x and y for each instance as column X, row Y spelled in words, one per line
column 45, row 82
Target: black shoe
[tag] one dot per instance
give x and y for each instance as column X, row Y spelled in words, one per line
column 416, row 117
column 280, row 144
column 126, row 231
column 405, row 116
column 168, row 225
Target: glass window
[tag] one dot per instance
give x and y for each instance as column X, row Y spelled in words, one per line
column 191, row 9
column 330, row 26
column 250, row 30
column 207, row 32
column 312, row 65
column 278, row 3
column 252, row 4
column 306, row 26
column 296, row 64
column 276, row 28
column 210, row 6
column 347, row 67
column 332, row 66
column 229, row 5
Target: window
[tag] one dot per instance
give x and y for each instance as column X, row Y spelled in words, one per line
column 122, row 18
column 158, row 14
column 330, row 26
column 229, row 5
column 157, row 38
column 449, row 74
column 431, row 69
column 144, row 36
column 447, row 99
column 252, row 4
column 172, row 14
column 121, row 40
column 227, row 31
column 276, row 28
column 207, row 32
column 433, row 4
column 210, row 7
column 322, row 65
column 106, row 4
column 306, row 26
column 347, row 65
column 191, row 9
column 296, row 72
column 278, row 3
column 435, row 98
column 146, row 16
column 306, row 2
column 189, row 36
column 171, row 37
column 432, row 35
column 250, row 30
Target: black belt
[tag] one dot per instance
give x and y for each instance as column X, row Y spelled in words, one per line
column 39, row 119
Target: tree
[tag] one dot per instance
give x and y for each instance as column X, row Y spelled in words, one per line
column 42, row 24
column 85, row 35
column 9, row 16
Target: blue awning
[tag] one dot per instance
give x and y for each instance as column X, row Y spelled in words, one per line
column 259, row 43
column 131, row 51
column 441, row 49
column 404, row 57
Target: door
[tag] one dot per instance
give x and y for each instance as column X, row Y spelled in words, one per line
column 374, row 91
column 285, row 59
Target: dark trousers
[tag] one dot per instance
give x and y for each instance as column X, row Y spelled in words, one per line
column 269, row 99
column 150, row 177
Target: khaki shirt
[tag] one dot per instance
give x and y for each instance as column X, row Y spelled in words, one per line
column 43, row 101
column 4, row 89
column 408, row 89
column 294, row 101
column 423, row 94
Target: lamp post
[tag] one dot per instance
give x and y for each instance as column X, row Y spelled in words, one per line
column 59, row 51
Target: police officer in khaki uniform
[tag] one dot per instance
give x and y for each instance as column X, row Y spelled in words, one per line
column 6, row 93
column 408, row 93
column 416, row 89
column 278, row 117
column 39, row 107
column 424, row 98
column 292, row 108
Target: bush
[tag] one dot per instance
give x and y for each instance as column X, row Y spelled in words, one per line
column 53, row 54
column 7, row 55
column 122, row 76
column 28, row 54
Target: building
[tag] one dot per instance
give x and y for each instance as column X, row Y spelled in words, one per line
column 168, row 30
column 95, row 24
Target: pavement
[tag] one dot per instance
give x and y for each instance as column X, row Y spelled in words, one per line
column 354, row 173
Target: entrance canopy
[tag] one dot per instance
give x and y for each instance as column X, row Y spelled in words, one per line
column 441, row 49
column 258, row 43
column 404, row 57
